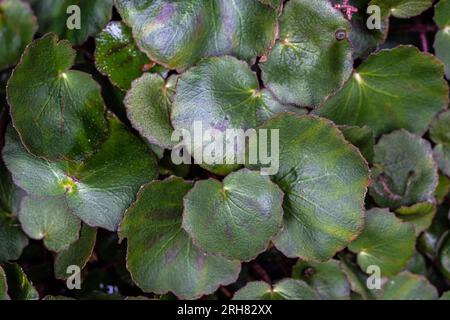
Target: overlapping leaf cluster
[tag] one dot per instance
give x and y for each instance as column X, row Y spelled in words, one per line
column 86, row 172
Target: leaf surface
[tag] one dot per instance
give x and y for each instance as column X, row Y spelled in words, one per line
column 385, row 242
column 78, row 253
column 402, row 8
column 392, row 89
column 442, row 39
column 326, row 278
column 324, row 180
column 161, row 256
column 17, row 28
column 54, row 16
column 51, row 220
column 404, row 171
column 19, row 287
column 408, row 286
column 148, row 108
column 178, row 34
column 312, row 58
column 236, row 218
column 98, row 190
column 117, row 55
column 288, row 289
column 59, row 113
column 440, row 134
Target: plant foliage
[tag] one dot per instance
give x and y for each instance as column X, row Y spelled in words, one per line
column 88, row 178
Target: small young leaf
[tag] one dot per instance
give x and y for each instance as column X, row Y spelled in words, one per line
column 404, row 172
column 17, row 28
column 385, row 242
column 178, row 34
column 148, row 106
column 117, row 56
column 312, row 57
column 51, row 220
column 288, row 289
column 78, row 253
column 55, row 16
column 408, row 286
column 324, row 179
column 59, row 113
column 160, row 256
column 392, row 89
column 326, row 278
column 236, row 218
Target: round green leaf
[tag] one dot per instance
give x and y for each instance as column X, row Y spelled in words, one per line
column 77, row 254
column 442, row 40
column 392, row 89
column 148, row 108
column 161, row 257
column 324, row 179
column 19, row 287
column 98, row 190
column 3, row 285
column 402, row 8
column 51, row 220
column 444, row 254
column 408, row 286
column 178, row 34
column 220, row 93
column 326, row 278
column 54, row 16
column 117, row 55
column 404, row 171
column 57, row 112
column 440, row 134
column 386, row 242
column 17, row 28
column 236, row 218
column 288, row 289
column 312, row 58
